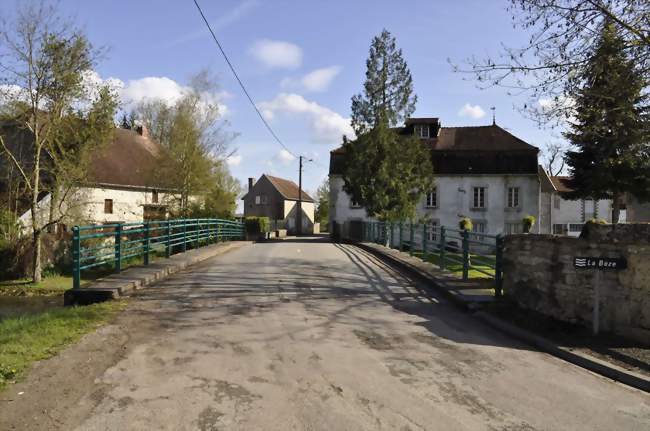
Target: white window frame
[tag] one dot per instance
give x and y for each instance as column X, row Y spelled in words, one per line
column 420, row 129
column 258, row 200
column 518, row 228
column 482, row 198
column 432, row 230
column 512, row 197
column 431, row 203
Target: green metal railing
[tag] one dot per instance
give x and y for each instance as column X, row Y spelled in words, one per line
column 110, row 245
column 443, row 246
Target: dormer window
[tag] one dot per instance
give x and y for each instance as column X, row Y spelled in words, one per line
column 422, row 131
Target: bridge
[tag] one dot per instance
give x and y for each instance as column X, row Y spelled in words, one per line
column 308, row 334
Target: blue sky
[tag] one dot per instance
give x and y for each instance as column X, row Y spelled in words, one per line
column 302, row 61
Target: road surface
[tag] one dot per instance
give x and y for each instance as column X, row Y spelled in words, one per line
column 308, row 335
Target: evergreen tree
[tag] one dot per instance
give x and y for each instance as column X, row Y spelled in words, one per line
column 385, row 172
column 610, row 127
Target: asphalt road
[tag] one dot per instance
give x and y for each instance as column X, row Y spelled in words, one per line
column 308, row 335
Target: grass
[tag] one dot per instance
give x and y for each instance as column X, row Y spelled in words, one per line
column 478, row 262
column 26, row 339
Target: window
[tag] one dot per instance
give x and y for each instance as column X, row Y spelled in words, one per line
column 513, row 228
column 432, row 198
column 575, row 227
column 513, row 197
column 354, row 204
column 258, row 200
column 479, row 227
column 108, row 206
column 265, row 200
column 559, row 229
column 422, row 131
column 556, row 202
column 154, row 197
column 432, row 231
column 479, row 197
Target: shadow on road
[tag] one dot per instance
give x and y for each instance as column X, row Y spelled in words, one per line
column 352, row 277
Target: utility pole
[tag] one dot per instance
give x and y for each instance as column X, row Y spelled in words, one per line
column 299, row 208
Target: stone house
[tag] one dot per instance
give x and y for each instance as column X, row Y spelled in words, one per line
column 277, row 198
column 484, row 173
column 122, row 186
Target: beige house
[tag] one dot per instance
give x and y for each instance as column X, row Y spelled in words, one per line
column 277, row 199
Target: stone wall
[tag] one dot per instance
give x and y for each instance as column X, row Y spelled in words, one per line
column 539, row 275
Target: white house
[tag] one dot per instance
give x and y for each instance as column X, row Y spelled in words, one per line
column 484, row 173
column 122, row 186
column 566, row 217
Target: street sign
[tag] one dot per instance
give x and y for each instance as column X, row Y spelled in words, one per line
column 599, row 264
column 602, row 263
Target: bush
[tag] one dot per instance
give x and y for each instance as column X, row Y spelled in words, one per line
column 529, row 222
column 257, row 225
column 597, row 221
column 465, row 223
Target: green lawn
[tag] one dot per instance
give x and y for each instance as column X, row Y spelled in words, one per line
column 30, row 338
column 483, row 263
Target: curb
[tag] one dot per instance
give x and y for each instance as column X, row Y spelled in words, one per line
column 131, row 279
column 585, row 361
column 592, row 364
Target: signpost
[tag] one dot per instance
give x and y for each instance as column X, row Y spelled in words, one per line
column 599, row 264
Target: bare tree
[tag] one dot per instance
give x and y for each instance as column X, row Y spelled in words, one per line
column 43, row 61
column 553, row 156
column 192, row 134
column 562, row 34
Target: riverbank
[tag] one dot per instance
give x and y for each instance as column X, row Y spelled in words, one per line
column 29, row 338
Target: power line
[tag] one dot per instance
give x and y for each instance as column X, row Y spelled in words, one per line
column 241, row 84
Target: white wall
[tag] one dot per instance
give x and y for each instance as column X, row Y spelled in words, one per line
column 455, row 193
column 86, row 206
column 571, row 211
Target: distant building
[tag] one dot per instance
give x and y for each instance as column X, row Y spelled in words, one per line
column 566, row 217
column 484, row 173
column 276, row 198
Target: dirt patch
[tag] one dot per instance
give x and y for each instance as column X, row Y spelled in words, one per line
column 376, row 341
column 209, row 419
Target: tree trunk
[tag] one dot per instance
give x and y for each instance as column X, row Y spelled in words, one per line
column 36, row 257
column 616, row 208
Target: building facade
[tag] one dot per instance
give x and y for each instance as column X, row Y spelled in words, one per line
column 277, row 199
column 484, row 173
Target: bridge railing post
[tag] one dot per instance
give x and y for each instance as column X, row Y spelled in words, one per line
column 147, row 243
column 118, row 248
column 465, row 236
column 76, row 258
column 168, row 240
column 424, row 241
column 184, row 235
column 412, row 239
column 441, row 248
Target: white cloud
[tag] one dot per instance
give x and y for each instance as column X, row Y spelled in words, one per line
column 284, row 157
column 472, row 111
column 234, row 160
column 315, row 81
column 327, row 126
column 277, row 53
column 149, row 88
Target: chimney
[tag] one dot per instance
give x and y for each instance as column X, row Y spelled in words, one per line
column 142, row 131
column 251, row 182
